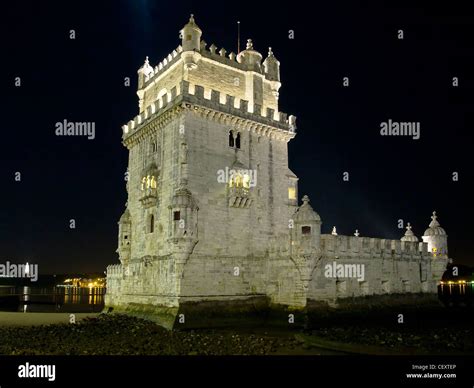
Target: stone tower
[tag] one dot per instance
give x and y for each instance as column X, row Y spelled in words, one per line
column 209, row 185
column 212, row 213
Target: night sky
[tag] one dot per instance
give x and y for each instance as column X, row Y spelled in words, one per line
column 391, row 178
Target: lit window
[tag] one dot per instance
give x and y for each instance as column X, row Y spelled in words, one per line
column 292, row 193
column 246, row 181
column 149, row 182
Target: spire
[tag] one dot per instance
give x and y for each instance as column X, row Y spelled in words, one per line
column 434, row 228
column 357, row 233
column 146, row 69
column 434, row 223
column 192, row 23
column 249, row 44
column 334, row 232
column 305, row 213
column 270, row 52
column 409, row 235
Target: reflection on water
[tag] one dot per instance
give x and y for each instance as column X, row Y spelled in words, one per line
column 59, row 299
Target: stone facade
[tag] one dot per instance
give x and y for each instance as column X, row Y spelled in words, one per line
column 212, row 211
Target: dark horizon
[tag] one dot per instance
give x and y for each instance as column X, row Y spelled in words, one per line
column 338, row 128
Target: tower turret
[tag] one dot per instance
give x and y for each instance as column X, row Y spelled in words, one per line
column 191, row 43
column 409, row 235
column 436, row 238
column 143, row 72
column 307, row 228
column 272, row 71
column 251, row 58
column 125, row 230
column 271, row 66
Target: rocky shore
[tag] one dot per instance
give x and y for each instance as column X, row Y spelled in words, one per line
column 428, row 330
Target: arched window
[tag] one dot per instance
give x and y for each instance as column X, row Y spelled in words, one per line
column 237, row 140
column 153, row 147
column 231, row 139
column 151, row 226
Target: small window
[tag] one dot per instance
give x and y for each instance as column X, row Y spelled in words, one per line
column 153, row 147
column 237, row 141
column 152, row 224
column 306, row 230
column 176, row 216
column 231, row 139
column 188, row 37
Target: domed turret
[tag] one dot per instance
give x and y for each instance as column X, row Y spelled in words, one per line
column 143, row 72
column 191, row 43
column 436, row 238
column 434, row 228
column 250, row 57
column 409, row 235
column 307, row 224
column 272, row 72
column 306, row 231
column 125, row 216
column 125, row 231
column 271, row 66
column 183, row 213
column 191, row 36
column 306, row 214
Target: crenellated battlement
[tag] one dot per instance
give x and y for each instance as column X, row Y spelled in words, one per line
column 165, row 64
column 185, row 92
column 210, row 52
column 114, row 270
column 340, row 245
column 221, row 56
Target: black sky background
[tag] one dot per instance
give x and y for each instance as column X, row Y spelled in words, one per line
column 391, row 178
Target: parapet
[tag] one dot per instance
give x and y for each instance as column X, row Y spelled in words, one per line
column 213, row 100
column 114, row 270
column 220, row 56
column 341, row 245
column 169, row 60
column 211, row 52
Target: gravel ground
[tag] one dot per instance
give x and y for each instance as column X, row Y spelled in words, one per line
column 124, row 335
column 114, row 334
column 439, row 339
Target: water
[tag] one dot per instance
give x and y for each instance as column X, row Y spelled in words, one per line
column 52, row 299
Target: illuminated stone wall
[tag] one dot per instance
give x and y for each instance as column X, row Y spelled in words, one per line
column 190, row 236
